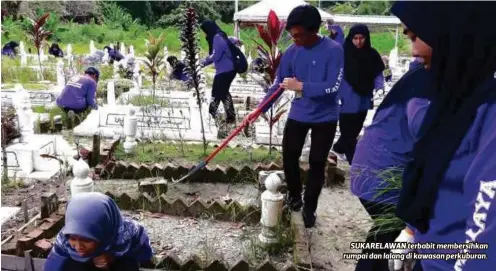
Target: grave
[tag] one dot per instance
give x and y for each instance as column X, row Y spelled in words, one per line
column 7, row 213
column 177, row 119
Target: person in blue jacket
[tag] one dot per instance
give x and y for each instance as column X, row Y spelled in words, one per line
column 312, row 67
column 114, row 54
column 363, row 69
column 178, row 72
column 55, row 50
column 448, row 193
column 79, row 94
column 96, row 237
column 220, row 55
column 335, row 32
column 384, row 150
column 9, row 49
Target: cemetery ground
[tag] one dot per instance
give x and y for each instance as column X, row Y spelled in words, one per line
column 341, row 220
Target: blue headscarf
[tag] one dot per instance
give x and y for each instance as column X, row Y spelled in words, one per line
column 339, row 36
column 463, row 64
column 211, row 29
column 96, row 216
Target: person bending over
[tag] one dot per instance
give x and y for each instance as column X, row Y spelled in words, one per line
column 79, row 93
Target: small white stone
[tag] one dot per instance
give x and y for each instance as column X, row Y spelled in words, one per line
column 273, row 182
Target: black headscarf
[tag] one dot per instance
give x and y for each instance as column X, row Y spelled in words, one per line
column 361, row 66
column 464, row 58
column 211, row 29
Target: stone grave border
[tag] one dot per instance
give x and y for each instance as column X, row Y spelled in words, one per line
column 111, row 169
column 17, row 254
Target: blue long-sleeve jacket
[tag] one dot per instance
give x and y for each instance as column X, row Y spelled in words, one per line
column 221, row 56
column 79, row 94
column 320, row 68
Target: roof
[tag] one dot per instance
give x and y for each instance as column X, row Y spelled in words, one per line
column 366, row 19
column 260, row 11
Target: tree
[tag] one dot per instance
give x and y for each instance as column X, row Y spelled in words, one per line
column 38, row 35
column 9, row 133
column 154, row 58
column 189, row 39
column 271, row 56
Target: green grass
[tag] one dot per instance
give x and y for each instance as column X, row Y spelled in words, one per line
column 79, row 37
column 148, row 100
column 193, row 153
column 28, row 86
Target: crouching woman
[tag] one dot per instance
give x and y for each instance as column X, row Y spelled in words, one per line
column 96, row 237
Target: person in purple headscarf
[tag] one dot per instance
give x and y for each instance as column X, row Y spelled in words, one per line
column 335, row 32
column 97, row 237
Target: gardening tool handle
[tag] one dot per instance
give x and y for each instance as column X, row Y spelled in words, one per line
column 255, row 114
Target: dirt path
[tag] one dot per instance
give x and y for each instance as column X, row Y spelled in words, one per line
column 341, row 219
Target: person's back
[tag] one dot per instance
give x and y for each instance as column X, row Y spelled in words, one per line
column 388, row 142
column 78, row 94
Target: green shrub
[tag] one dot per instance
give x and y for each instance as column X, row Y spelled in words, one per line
column 121, row 86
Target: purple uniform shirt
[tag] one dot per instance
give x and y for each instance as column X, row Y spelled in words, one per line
column 320, row 68
column 78, row 94
column 352, row 102
column 221, row 56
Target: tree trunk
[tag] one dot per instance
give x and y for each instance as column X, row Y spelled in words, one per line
column 201, row 121
column 5, row 172
column 39, row 61
column 270, row 131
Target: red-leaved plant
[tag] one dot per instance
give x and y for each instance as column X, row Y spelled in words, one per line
column 271, row 55
column 38, row 35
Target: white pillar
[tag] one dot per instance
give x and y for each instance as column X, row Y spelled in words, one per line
column 123, row 49
column 243, row 50
column 81, row 182
column 60, row 74
column 111, row 93
column 68, row 50
column 116, row 69
column 106, row 57
column 24, row 56
column 92, row 47
column 131, row 50
column 183, row 55
column 130, row 129
column 272, row 203
column 24, row 113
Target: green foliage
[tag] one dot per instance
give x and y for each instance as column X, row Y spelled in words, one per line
column 121, row 86
column 116, row 17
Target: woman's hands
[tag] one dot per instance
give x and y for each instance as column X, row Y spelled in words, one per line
column 104, row 261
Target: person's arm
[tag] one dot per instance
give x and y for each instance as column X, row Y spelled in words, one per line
column 58, row 260
column 282, row 72
column 480, row 193
column 334, row 75
column 379, row 82
column 415, row 112
column 220, row 47
column 90, row 94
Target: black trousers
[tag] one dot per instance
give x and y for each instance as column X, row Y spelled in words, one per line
column 220, row 93
column 322, row 137
column 374, row 236
column 350, row 126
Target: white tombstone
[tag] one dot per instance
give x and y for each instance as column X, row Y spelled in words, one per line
column 249, row 59
column 140, row 80
column 24, row 113
column 92, row 47
column 272, row 203
column 130, row 129
column 111, row 93
column 68, row 50
column 24, row 56
column 111, row 46
column 183, row 55
column 60, row 74
column 131, row 50
column 116, row 70
column 243, row 49
column 81, row 182
column 106, row 57
column 122, row 48
column 43, row 57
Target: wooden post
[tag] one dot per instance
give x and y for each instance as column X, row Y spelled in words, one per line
column 28, row 266
column 25, row 211
column 49, row 204
column 95, row 154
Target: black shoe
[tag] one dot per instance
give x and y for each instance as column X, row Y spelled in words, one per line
column 309, row 218
column 295, row 203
